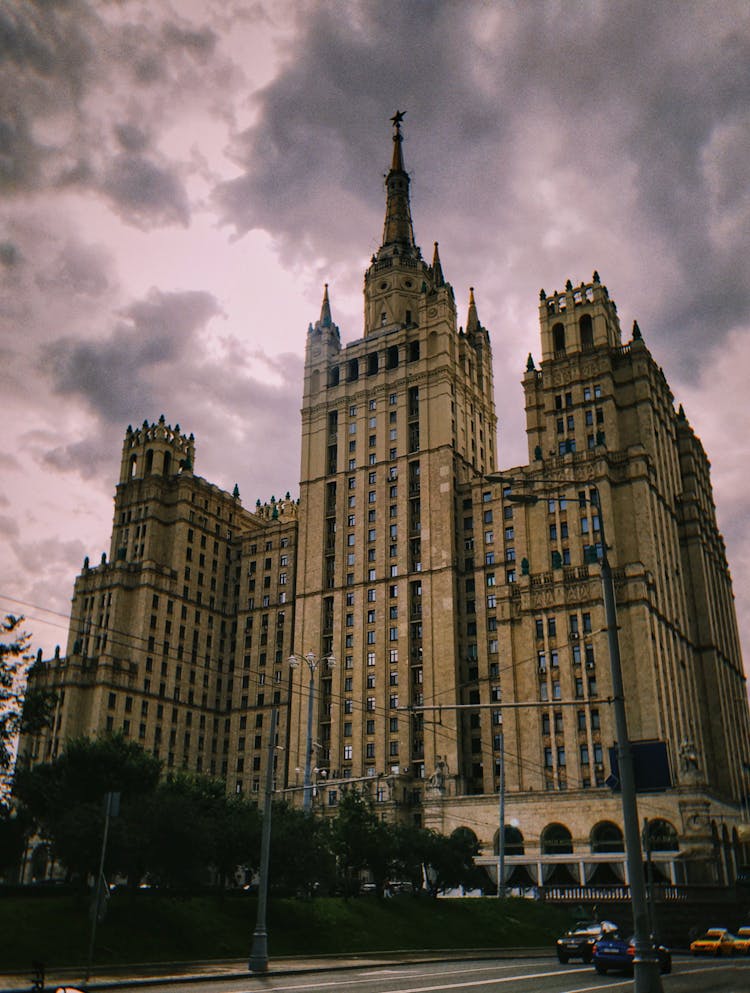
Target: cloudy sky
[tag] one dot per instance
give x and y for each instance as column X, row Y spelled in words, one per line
column 178, row 178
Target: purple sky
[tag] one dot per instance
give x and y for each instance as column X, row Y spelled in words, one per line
column 180, row 177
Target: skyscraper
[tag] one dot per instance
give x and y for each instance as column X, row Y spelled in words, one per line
column 464, row 612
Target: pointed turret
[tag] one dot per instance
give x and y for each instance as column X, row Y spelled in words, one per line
column 437, row 269
column 325, row 322
column 325, row 310
column 472, row 319
column 398, row 233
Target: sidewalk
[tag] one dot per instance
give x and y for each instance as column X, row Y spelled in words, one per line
column 113, row 977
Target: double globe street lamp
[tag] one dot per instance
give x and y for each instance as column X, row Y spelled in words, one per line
column 313, row 661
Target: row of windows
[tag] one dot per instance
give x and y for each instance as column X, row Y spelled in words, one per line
column 581, row 721
column 583, row 754
column 573, row 625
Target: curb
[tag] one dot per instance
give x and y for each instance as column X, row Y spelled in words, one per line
column 371, row 960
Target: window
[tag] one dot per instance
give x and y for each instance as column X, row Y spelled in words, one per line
column 348, row 752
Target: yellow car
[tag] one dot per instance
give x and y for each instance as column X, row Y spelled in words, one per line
column 716, row 941
column 742, row 941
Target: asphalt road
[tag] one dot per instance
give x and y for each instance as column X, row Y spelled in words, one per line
column 508, row 975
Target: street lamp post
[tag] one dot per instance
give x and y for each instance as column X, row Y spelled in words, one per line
column 501, row 818
column 645, row 963
column 259, row 948
column 313, row 661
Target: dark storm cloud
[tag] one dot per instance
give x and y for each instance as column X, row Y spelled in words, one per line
column 90, row 457
column 77, row 81
column 79, row 269
column 114, row 374
column 131, row 137
column 9, row 254
column 654, row 96
column 245, row 400
column 144, row 193
column 200, row 42
column 46, row 53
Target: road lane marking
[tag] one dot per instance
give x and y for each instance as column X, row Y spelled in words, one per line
column 443, row 972
column 445, row 986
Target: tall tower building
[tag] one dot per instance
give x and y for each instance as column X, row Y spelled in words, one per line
column 463, row 605
column 392, row 423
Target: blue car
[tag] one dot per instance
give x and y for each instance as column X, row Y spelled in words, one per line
column 616, row 953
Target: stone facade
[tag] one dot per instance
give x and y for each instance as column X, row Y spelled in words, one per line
column 465, row 614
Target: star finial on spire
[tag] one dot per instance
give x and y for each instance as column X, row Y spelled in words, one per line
column 398, row 118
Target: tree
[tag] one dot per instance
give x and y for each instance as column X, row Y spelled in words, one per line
column 14, row 829
column 192, row 830
column 19, row 710
column 65, row 799
column 361, row 842
column 450, row 861
column 301, row 857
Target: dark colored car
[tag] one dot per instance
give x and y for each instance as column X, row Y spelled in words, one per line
column 613, row 952
column 579, row 941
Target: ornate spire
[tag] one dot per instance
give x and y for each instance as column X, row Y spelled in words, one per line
column 437, row 269
column 398, row 233
column 472, row 320
column 325, row 310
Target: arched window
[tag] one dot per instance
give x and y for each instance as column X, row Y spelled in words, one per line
column 556, row 840
column 587, row 331
column 133, row 466
column 662, row 836
column 167, row 463
column 467, row 836
column 558, row 338
column 606, row 837
column 150, row 460
column 352, row 372
column 513, row 841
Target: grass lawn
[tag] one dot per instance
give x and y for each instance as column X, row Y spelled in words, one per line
column 154, row 927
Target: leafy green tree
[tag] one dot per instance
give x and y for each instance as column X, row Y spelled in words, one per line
column 450, row 861
column 412, row 847
column 65, row 799
column 193, row 830
column 361, row 842
column 21, row 710
column 302, row 861
column 15, row 826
